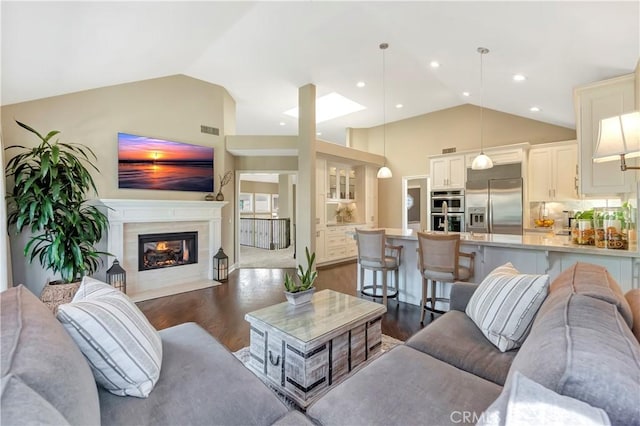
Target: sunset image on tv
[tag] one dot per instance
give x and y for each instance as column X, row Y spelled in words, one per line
column 147, row 163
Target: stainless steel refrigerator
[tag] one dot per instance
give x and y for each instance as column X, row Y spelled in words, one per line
column 493, row 200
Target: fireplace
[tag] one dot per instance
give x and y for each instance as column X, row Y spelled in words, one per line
column 167, row 250
column 129, row 218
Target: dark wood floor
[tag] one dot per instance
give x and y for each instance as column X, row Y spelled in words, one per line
column 221, row 309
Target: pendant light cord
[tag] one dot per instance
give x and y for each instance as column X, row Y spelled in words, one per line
column 482, row 51
column 383, row 47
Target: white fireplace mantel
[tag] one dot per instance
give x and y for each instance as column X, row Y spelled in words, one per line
column 123, row 211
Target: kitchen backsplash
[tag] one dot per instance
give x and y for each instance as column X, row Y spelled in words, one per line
column 555, row 210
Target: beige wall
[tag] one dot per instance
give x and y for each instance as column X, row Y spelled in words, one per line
column 409, row 142
column 171, row 108
column 258, row 187
column 637, row 82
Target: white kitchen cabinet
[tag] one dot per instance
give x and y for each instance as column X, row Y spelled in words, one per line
column 321, row 181
column 321, row 220
column 447, row 172
column 341, row 183
column 321, row 252
column 370, row 215
column 359, row 182
column 594, row 102
column 553, row 172
column 339, row 243
column 509, row 154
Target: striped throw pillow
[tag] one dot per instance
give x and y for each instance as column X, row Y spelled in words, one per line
column 122, row 347
column 505, row 304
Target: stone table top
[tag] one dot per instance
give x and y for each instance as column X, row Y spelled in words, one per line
column 327, row 312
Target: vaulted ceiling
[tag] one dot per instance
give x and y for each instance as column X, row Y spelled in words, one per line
column 262, row 52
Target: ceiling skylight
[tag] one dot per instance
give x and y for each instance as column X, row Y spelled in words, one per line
column 331, row 106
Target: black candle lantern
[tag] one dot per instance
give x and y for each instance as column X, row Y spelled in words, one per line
column 220, row 266
column 117, row 277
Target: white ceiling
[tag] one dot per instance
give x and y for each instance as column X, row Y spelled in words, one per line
column 262, row 52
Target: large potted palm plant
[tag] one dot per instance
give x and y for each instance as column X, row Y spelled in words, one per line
column 50, row 186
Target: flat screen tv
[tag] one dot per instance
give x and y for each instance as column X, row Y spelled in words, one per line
column 149, row 163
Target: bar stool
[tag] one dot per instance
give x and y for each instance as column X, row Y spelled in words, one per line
column 376, row 255
column 438, row 257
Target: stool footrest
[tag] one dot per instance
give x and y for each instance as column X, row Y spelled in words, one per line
column 433, row 309
column 368, row 291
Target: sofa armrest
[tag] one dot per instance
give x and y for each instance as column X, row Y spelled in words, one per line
column 460, row 295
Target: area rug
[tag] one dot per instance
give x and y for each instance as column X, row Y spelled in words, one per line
column 388, row 343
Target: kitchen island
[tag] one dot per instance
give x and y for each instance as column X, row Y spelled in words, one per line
column 531, row 253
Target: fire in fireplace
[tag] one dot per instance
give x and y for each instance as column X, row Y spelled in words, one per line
column 167, row 249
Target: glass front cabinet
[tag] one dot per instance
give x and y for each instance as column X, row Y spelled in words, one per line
column 341, row 183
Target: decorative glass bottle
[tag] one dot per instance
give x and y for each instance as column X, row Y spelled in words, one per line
column 612, row 227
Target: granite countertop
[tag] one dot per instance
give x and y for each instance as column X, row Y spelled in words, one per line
column 530, row 240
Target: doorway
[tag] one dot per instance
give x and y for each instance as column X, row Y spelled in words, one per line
column 266, row 220
column 415, row 206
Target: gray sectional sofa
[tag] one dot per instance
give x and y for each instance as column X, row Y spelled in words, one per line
column 580, row 345
column 47, row 380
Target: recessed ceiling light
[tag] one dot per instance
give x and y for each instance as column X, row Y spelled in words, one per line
column 399, row 105
column 519, row 77
column 466, row 94
column 535, row 109
column 360, row 84
column 330, row 106
column 435, row 64
column 318, row 133
column 282, row 123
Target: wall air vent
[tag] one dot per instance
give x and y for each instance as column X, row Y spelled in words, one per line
column 448, row 150
column 209, row 130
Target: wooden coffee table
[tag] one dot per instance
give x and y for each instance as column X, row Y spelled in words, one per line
column 304, row 350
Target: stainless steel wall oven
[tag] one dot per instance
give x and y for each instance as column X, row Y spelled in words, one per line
column 454, row 199
column 455, row 210
column 456, row 222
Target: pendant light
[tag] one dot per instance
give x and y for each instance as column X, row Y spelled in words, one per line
column 384, row 172
column 482, row 161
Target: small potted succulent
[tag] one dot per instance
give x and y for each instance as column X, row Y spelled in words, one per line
column 301, row 292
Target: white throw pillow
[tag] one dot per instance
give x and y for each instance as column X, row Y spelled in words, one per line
column 505, row 304
column 524, row 402
column 123, row 349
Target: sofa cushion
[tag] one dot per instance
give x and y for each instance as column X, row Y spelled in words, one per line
column 581, row 347
column 21, row 405
column 404, row 387
column 455, row 339
column 201, row 383
column 593, row 281
column 460, row 295
column 633, row 298
column 123, row 348
column 505, row 303
column 36, row 349
column 524, row 402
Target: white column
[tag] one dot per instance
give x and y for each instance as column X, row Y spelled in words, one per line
column 306, row 188
column 285, row 197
